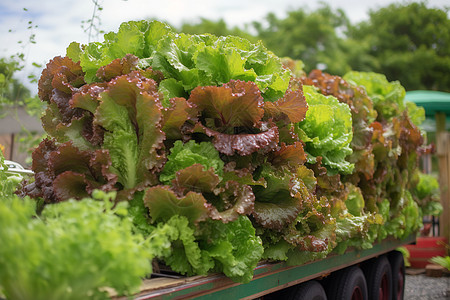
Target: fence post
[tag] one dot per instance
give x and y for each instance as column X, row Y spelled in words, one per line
column 443, row 153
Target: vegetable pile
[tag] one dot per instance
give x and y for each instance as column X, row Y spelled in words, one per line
column 220, row 155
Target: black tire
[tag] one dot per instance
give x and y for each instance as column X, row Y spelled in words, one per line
column 311, row 290
column 398, row 274
column 347, row 284
column 379, row 279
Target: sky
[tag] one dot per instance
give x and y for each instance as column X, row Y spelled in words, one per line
column 56, row 23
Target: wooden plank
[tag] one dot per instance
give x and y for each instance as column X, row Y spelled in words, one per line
column 443, row 153
column 445, row 219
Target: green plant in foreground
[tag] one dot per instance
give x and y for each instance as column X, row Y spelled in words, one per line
column 406, row 255
column 74, row 250
column 442, row 261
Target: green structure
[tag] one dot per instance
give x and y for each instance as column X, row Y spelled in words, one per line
column 437, row 108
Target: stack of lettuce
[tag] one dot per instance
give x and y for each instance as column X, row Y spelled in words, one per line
column 223, row 156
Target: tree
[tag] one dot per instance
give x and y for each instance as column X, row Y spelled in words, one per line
column 409, row 43
column 218, row 28
column 12, row 92
column 14, row 96
column 316, row 38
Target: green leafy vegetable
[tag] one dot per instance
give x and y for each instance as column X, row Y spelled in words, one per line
column 130, row 113
column 388, row 97
column 185, row 155
column 174, row 241
column 72, row 251
column 234, row 247
column 327, row 131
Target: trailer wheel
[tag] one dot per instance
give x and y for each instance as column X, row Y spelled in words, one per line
column 379, row 279
column 348, row 284
column 311, row 290
column 398, row 274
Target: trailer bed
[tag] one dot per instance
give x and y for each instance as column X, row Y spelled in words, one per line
column 268, row 277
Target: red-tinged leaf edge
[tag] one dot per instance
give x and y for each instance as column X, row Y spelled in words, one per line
column 291, row 108
column 355, row 97
column 290, row 155
column 139, row 96
column 163, row 203
column 119, row 66
column 235, row 104
column 309, row 243
column 195, row 178
column 70, row 185
column 239, row 197
column 64, row 171
column 242, row 144
column 242, row 176
column 276, row 215
column 175, row 116
column 61, row 73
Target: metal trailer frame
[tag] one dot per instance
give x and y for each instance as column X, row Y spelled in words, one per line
column 268, row 277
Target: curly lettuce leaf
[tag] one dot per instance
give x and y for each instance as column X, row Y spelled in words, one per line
column 63, row 172
column 138, row 213
column 291, row 108
column 59, row 82
column 355, row 200
column 279, row 203
column 226, row 203
column 363, row 114
column 223, row 63
column 404, row 219
column 327, row 131
column 242, row 176
column 388, row 97
column 242, row 144
column 174, row 241
column 171, row 88
column 428, row 194
column 203, row 60
column 231, row 248
column 139, row 38
column 185, row 155
column 191, row 60
column 235, row 104
column 195, row 178
column 415, row 113
column 428, row 186
column 356, row 227
column 314, row 228
column 61, row 73
column 163, row 204
column 98, row 239
column 175, row 116
column 231, row 201
column 130, row 112
column 277, row 251
column 355, row 97
column 291, row 156
column 234, row 247
column 118, row 67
